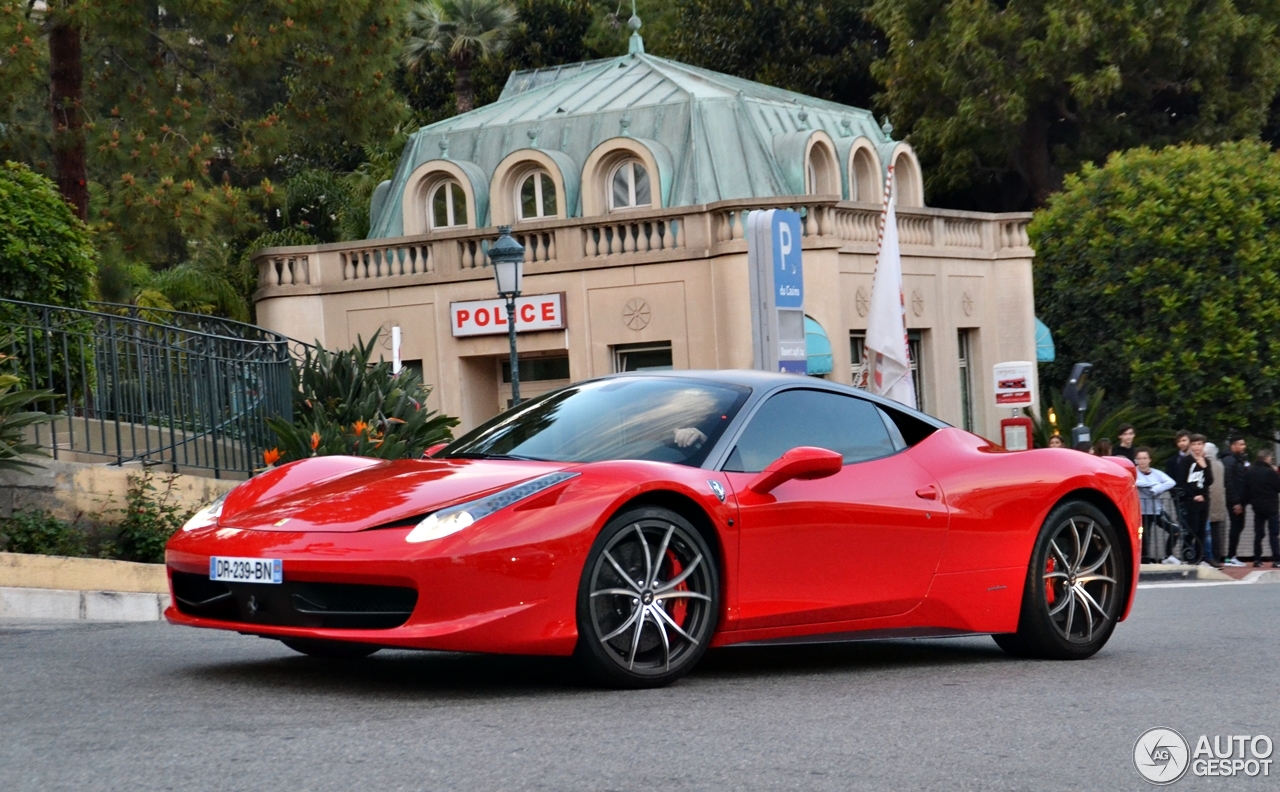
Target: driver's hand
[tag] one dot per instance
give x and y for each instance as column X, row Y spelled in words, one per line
column 689, row 436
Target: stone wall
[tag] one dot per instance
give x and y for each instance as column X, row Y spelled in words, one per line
column 93, row 493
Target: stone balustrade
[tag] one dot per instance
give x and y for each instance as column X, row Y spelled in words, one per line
column 638, row 237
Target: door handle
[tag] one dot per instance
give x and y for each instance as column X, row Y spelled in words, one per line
column 928, row 493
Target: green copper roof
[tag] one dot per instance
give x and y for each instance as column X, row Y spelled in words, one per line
column 722, row 132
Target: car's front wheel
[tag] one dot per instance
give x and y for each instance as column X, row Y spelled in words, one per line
column 330, row 650
column 1075, row 587
column 648, row 601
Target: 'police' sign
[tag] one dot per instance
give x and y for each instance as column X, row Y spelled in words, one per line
column 489, row 317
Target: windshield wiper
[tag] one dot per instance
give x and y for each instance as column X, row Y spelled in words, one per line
column 497, row 456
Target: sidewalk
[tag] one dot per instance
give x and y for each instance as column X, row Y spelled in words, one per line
column 1170, row 573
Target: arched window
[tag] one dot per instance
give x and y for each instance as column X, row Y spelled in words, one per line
column 537, row 197
column 629, row 186
column 448, row 205
column 822, row 174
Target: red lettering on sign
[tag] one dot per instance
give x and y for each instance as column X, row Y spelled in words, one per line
column 548, row 312
column 463, row 316
column 499, row 318
column 527, row 314
column 482, row 316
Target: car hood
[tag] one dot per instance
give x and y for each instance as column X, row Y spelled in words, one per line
column 375, row 493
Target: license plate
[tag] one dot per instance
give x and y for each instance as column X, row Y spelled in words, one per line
column 246, row 570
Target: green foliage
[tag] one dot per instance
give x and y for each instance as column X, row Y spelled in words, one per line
column 151, row 517
column 16, row 415
column 344, row 403
column 1001, row 98
column 1163, row 269
column 822, row 48
column 463, row 32
column 34, row 531
column 45, row 252
column 196, row 110
column 1103, row 420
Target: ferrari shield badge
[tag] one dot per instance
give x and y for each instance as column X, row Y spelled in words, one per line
column 717, row 488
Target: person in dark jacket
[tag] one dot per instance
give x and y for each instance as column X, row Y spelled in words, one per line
column 1125, row 435
column 1235, row 471
column 1183, row 440
column 1193, row 476
column 1264, row 496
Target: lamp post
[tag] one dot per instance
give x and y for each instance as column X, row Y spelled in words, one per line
column 507, row 257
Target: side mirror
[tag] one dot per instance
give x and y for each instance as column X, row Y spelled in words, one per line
column 433, row 450
column 805, row 462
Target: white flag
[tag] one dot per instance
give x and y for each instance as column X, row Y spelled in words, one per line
column 887, row 353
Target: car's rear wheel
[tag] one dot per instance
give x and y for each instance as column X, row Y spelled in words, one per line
column 648, row 601
column 330, row 650
column 1075, row 587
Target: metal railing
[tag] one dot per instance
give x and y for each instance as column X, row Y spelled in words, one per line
column 155, row 387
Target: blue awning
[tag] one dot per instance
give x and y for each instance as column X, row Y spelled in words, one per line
column 818, row 347
column 1044, row 343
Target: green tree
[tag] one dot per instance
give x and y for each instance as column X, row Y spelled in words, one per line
column 1162, row 268
column 822, row 48
column 1002, row 98
column 45, row 252
column 194, row 110
column 464, row 31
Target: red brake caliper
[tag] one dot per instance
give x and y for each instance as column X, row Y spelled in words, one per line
column 677, row 606
column 1050, row 593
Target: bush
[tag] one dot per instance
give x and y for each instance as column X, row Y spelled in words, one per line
column 1162, row 268
column 345, row 404
column 149, row 520
column 45, row 253
column 16, row 415
column 34, row 531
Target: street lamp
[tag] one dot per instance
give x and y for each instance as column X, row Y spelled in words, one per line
column 507, row 257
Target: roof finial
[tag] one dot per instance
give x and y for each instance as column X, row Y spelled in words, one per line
column 636, row 46
column 887, row 128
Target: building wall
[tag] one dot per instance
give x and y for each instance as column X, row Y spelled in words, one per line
column 697, row 301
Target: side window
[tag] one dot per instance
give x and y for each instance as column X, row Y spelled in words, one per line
column 848, row 425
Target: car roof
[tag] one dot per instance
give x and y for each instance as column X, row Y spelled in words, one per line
column 765, row 382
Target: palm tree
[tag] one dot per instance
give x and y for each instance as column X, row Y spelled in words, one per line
column 461, row 30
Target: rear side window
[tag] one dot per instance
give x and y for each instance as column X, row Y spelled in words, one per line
column 852, row 427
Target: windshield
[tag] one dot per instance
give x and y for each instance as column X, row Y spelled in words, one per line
column 655, row 418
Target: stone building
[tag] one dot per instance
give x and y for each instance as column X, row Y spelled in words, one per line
column 629, row 180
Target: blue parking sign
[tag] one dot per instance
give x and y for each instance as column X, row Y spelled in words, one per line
column 788, row 274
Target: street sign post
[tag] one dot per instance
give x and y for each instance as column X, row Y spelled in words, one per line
column 775, row 262
column 1015, row 383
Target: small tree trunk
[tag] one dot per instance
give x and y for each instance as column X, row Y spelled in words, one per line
column 66, row 95
column 1033, row 160
column 462, row 94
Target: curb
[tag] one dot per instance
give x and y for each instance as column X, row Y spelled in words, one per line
column 63, row 604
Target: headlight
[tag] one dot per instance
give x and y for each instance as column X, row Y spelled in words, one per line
column 453, row 519
column 207, row 517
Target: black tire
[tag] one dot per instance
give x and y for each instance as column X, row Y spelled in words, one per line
column 651, row 626
column 330, row 650
column 1073, row 595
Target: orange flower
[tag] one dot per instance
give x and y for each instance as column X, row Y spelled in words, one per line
column 271, row 456
column 315, row 440
column 358, row 427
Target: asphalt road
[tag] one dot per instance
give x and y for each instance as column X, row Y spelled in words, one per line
column 151, row 706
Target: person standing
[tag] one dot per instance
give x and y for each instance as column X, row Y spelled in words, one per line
column 1264, row 496
column 1183, row 441
column 1125, row 437
column 1235, row 472
column 1214, row 549
column 1152, row 484
column 1194, row 476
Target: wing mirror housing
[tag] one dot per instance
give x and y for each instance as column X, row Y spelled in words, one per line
column 805, row 462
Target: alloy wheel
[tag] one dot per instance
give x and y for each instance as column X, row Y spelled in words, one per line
column 1080, row 580
column 651, row 597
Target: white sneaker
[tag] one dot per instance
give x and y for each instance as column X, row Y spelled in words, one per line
column 1172, row 561
column 1206, row 564
column 1233, row 562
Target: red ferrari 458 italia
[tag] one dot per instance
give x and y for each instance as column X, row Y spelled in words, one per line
column 637, row 520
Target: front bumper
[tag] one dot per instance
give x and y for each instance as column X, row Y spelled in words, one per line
column 469, row 594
